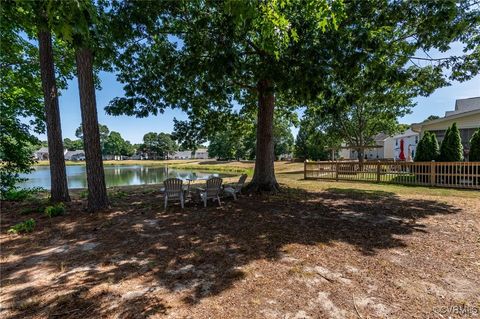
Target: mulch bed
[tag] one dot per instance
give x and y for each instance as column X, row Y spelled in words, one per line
column 297, row 254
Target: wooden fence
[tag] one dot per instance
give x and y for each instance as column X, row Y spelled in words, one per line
column 442, row 174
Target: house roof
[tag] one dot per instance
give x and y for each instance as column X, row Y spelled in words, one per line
column 407, row 133
column 463, row 107
column 42, row 150
column 71, row 153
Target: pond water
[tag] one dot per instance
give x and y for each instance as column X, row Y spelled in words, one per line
column 118, row 175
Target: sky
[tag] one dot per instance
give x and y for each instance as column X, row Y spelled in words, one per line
column 133, row 129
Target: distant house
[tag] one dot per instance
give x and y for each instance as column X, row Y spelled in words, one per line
column 379, row 149
column 466, row 115
column 201, row 153
column 182, row 155
column 403, row 145
column 78, row 155
column 41, row 154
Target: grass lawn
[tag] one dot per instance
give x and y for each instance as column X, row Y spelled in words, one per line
column 318, row 249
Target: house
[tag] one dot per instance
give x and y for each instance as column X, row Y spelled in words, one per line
column 182, row 155
column 201, row 153
column 78, row 155
column 466, row 115
column 41, row 154
column 379, row 149
column 403, row 145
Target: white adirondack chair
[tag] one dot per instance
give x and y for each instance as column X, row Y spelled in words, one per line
column 174, row 191
column 235, row 188
column 212, row 191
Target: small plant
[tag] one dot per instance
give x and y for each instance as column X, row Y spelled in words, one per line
column 55, row 210
column 84, row 194
column 119, row 194
column 18, row 195
column 24, row 227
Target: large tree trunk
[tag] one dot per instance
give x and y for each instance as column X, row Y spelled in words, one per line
column 97, row 191
column 264, row 173
column 58, row 175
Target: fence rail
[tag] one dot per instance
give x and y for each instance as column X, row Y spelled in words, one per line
column 442, row 174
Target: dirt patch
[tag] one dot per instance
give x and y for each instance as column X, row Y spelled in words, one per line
column 298, row 254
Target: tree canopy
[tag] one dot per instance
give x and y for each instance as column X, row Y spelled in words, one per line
column 158, row 145
column 333, row 56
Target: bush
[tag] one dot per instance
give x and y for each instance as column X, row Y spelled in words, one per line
column 427, row 148
column 474, row 154
column 18, row 195
column 55, row 210
column 452, row 149
column 24, row 227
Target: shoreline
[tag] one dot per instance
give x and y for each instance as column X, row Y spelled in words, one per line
column 200, row 165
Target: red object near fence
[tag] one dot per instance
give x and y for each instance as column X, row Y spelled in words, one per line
column 402, row 153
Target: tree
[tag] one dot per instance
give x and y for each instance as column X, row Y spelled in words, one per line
column 116, row 145
column 474, row 154
column 312, row 143
column 104, row 131
column 283, row 139
column 159, row 145
column 58, row 173
column 31, row 19
column 451, row 149
column 74, row 145
column 427, row 148
column 432, row 117
column 21, row 94
column 205, row 57
column 80, row 23
column 224, row 145
column 243, row 53
column 444, row 144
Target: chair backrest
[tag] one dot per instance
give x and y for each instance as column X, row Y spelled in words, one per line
column 214, row 186
column 241, row 182
column 173, row 186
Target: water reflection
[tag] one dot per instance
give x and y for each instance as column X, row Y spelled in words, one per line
column 116, row 175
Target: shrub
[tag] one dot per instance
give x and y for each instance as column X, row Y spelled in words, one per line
column 84, row 194
column 18, row 195
column 24, row 227
column 55, row 210
column 427, row 148
column 474, row 154
column 452, row 149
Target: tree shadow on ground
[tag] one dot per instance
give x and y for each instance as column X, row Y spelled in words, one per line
column 196, row 252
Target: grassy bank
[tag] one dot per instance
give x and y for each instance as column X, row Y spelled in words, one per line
column 291, row 175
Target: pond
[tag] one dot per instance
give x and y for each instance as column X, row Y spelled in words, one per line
column 117, row 175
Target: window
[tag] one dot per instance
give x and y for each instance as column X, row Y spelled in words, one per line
column 416, row 139
column 396, row 142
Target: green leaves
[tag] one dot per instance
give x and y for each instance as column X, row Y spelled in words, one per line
column 427, row 148
column 158, row 145
column 451, row 149
column 474, row 154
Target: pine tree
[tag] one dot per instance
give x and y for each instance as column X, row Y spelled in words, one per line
column 452, row 149
column 474, row 154
column 427, row 148
column 443, row 146
column 433, row 147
